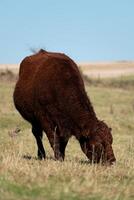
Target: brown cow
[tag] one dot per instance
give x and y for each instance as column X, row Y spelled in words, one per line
column 50, row 94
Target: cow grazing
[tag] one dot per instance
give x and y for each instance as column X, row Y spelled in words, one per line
column 50, row 94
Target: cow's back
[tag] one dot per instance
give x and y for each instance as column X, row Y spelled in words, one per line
column 60, row 92
column 50, row 85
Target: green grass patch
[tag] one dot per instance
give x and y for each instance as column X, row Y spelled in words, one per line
column 124, row 82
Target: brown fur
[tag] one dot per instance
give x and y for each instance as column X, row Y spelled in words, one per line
column 50, row 94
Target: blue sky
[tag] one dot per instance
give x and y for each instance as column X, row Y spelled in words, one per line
column 86, row 30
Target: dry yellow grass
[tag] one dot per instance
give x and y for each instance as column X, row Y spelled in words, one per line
column 93, row 69
column 22, row 176
column 107, row 69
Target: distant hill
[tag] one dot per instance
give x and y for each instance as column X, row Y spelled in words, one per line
column 93, row 69
column 107, row 69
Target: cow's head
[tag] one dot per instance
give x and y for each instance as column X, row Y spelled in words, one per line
column 98, row 145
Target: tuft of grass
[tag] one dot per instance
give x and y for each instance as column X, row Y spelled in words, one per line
column 7, row 75
column 23, row 177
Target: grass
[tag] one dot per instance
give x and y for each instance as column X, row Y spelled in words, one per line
column 23, row 177
column 124, row 82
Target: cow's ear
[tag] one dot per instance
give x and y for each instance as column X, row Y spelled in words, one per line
column 86, row 133
column 83, row 144
column 110, row 129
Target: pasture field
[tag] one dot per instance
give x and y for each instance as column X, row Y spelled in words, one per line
column 108, row 69
column 24, row 177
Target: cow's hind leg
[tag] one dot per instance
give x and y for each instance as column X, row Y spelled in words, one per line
column 37, row 131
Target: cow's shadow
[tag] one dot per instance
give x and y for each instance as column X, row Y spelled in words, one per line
column 29, row 157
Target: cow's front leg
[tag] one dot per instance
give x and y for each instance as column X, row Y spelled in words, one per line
column 56, row 147
column 58, row 144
